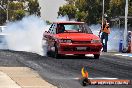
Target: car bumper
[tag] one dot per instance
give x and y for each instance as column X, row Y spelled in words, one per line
column 84, row 49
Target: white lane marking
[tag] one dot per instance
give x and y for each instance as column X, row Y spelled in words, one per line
column 92, row 78
column 130, row 55
column 103, row 78
column 39, row 86
column 124, row 55
column 118, row 54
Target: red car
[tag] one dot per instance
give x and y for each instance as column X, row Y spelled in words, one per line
column 71, row 38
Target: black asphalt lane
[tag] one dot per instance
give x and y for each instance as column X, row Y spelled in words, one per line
column 65, row 72
column 8, row 59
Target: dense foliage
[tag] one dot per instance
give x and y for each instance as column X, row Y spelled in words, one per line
column 17, row 9
column 90, row 11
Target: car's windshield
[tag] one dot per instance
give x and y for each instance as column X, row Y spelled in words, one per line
column 74, row 28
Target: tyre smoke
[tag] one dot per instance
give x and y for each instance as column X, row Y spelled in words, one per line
column 62, row 18
column 114, row 37
column 26, row 35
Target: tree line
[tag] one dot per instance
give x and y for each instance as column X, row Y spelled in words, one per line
column 90, row 11
column 17, row 9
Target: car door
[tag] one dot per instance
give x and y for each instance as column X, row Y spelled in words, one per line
column 50, row 35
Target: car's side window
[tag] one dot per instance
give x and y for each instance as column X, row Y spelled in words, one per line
column 53, row 29
column 50, row 28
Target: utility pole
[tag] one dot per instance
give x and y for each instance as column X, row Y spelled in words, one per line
column 103, row 14
column 125, row 31
column 7, row 12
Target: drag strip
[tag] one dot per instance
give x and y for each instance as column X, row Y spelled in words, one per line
column 65, row 72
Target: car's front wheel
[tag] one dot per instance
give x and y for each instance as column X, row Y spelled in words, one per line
column 49, row 53
column 96, row 56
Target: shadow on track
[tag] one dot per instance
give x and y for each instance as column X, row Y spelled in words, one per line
column 39, row 57
column 74, row 57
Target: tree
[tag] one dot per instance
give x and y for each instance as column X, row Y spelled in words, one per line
column 2, row 16
column 90, row 11
column 70, row 1
column 15, row 6
column 81, row 16
column 130, row 8
column 34, row 7
column 117, row 8
column 19, row 14
column 69, row 10
column 17, row 9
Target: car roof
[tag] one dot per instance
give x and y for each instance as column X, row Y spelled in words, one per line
column 68, row 22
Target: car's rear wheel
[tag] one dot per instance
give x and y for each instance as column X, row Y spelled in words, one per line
column 56, row 55
column 96, row 56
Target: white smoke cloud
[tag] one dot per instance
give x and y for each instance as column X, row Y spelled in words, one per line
column 114, row 37
column 26, row 35
column 63, row 18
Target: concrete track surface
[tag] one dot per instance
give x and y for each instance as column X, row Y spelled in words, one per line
column 65, row 72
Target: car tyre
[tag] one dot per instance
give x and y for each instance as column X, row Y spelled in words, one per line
column 56, row 55
column 96, row 56
column 49, row 53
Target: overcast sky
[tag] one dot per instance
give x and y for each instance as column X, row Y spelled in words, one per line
column 49, row 8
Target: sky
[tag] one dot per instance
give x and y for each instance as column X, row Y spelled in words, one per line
column 49, row 9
